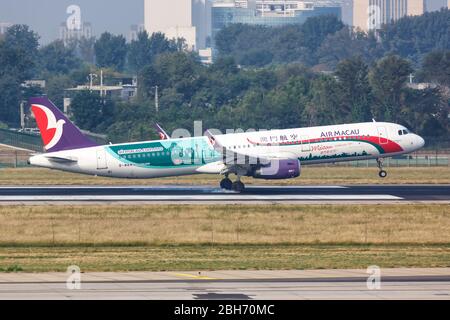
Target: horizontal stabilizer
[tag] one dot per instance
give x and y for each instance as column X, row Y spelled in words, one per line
column 62, row 159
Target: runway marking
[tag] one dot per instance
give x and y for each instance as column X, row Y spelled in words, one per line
column 193, row 276
column 212, row 197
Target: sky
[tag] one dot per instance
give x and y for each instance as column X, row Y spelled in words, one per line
column 45, row 16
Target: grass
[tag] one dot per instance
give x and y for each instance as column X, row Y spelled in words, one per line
column 310, row 175
column 224, row 257
column 170, row 237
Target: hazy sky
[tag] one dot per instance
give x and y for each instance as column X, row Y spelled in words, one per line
column 45, row 16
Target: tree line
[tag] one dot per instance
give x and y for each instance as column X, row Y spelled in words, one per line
column 325, row 74
column 324, row 41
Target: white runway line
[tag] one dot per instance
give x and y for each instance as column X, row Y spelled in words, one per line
column 229, row 197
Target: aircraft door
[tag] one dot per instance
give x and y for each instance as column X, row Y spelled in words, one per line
column 306, row 146
column 382, row 134
column 101, row 159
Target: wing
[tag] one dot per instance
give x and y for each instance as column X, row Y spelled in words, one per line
column 241, row 158
column 274, row 164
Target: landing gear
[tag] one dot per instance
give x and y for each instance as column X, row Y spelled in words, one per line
column 237, row 186
column 226, row 183
column 382, row 173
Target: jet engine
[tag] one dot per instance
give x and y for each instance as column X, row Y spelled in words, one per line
column 278, row 169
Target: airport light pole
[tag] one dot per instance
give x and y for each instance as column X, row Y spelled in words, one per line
column 91, row 79
column 22, row 114
column 156, row 99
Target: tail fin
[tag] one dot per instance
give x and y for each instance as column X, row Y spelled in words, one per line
column 161, row 132
column 57, row 132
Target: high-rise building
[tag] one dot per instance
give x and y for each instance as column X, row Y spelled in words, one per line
column 188, row 19
column 372, row 14
column 268, row 12
column 66, row 34
column 416, row 7
column 134, row 32
column 347, row 11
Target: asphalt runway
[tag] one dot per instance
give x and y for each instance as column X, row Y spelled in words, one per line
column 205, row 194
column 226, row 285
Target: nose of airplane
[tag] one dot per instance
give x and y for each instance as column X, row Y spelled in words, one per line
column 420, row 141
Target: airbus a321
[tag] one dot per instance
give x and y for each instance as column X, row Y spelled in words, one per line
column 274, row 154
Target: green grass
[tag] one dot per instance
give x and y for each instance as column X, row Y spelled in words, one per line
column 190, row 237
column 224, row 257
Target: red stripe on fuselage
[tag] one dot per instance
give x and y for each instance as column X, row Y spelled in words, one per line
column 388, row 147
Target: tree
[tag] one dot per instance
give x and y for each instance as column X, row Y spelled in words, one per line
column 347, row 43
column 324, row 107
column 388, row 79
column 354, row 88
column 55, row 58
column 436, row 67
column 257, row 45
column 139, row 53
column 426, row 112
column 18, row 51
column 316, row 29
column 111, row 51
column 143, row 51
column 55, row 86
column 413, row 37
column 10, row 98
column 92, row 112
column 86, row 50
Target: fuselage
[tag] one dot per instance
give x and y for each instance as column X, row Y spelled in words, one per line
column 162, row 158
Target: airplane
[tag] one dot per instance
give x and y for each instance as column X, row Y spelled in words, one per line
column 274, row 154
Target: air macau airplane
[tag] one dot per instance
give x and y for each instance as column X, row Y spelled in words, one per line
column 274, row 154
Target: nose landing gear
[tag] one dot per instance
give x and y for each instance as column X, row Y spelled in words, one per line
column 382, row 172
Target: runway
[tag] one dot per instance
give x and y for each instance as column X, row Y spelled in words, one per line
column 236, row 285
column 205, row 194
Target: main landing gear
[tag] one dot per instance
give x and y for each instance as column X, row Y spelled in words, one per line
column 382, row 173
column 227, row 184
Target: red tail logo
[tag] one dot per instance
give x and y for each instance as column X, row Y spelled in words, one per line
column 51, row 130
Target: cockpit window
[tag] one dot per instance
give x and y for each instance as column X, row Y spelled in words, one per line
column 405, row 132
column 400, row 132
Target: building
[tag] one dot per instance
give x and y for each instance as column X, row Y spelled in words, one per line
column 206, row 56
column 372, row 14
column 124, row 88
column 134, row 32
column 347, row 11
column 66, row 34
column 188, row 19
column 268, row 12
column 4, row 26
